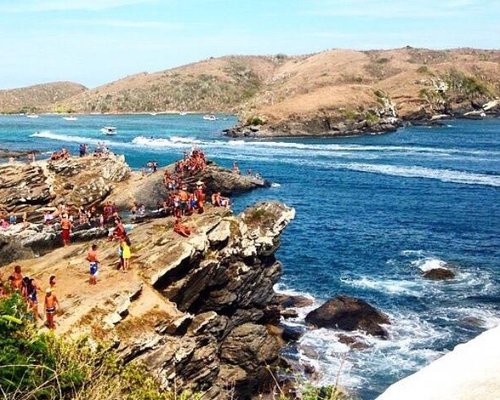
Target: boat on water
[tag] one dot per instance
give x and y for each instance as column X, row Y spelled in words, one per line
column 210, row 117
column 31, row 116
column 183, row 113
column 152, row 113
column 70, row 118
column 109, row 130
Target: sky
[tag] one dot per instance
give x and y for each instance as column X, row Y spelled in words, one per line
column 97, row 41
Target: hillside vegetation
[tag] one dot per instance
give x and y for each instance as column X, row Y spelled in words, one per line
column 311, row 92
column 37, row 98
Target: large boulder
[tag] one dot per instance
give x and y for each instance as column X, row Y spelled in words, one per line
column 349, row 313
column 439, row 274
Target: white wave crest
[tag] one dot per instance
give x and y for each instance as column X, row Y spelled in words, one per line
column 391, row 286
column 444, row 175
column 66, row 138
column 172, row 142
column 427, row 264
column 187, row 140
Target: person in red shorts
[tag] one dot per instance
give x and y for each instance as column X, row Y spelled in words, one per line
column 66, row 226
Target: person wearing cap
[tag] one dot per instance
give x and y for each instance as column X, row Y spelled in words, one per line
column 199, row 195
column 51, row 303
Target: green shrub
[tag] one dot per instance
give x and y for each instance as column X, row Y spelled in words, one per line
column 423, row 69
column 255, row 121
column 48, row 367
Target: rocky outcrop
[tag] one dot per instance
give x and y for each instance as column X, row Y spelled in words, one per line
column 74, row 181
column 150, row 189
column 19, row 242
column 439, row 274
column 6, row 153
column 195, row 310
column 348, row 313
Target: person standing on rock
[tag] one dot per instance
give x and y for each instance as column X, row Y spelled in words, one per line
column 66, row 226
column 93, row 260
column 126, row 254
column 199, row 195
column 51, row 302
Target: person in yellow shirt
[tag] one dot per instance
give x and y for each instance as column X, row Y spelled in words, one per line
column 126, row 254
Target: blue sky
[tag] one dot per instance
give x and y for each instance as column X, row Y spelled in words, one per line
column 97, row 41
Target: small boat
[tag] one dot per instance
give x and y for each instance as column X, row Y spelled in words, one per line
column 109, row 130
column 183, row 113
column 70, row 118
column 31, row 116
column 210, row 117
column 152, row 113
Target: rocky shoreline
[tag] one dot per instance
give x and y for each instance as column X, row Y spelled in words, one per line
column 374, row 121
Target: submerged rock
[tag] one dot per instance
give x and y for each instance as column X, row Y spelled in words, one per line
column 349, row 313
column 439, row 274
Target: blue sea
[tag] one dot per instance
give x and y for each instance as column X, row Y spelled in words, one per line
column 373, row 212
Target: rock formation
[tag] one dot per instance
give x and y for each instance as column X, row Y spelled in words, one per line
column 197, row 311
column 150, row 189
column 439, row 274
column 76, row 181
column 349, row 314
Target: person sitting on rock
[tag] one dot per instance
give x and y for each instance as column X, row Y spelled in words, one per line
column 51, row 302
column 4, row 224
column 93, row 260
column 181, row 229
column 119, row 231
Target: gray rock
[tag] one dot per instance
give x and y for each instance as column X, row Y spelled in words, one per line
column 348, row 313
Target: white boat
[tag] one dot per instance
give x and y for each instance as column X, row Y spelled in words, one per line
column 183, row 113
column 210, row 117
column 31, row 116
column 70, row 118
column 109, row 130
column 152, row 113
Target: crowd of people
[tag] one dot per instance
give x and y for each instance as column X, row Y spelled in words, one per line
column 183, row 200
column 29, row 289
column 62, row 154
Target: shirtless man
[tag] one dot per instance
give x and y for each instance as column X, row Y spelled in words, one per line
column 183, row 198
column 93, row 264
column 17, row 278
column 51, row 302
column 66, row 226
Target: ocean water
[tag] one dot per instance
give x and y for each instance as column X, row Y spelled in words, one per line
column 373, row 212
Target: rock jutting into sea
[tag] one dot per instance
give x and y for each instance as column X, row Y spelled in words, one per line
column 197, row 311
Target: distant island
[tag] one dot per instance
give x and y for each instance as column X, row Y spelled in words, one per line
column 332, row 93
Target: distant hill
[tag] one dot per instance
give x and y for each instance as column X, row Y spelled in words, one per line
column 311, row 93
column 37, row 98
column 219, row 84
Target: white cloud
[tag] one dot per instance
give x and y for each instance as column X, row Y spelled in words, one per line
column 68, row 5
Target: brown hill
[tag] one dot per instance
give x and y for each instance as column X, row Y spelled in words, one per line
column 332, row 92
column 37, row 98
column 218, row 84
